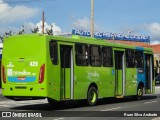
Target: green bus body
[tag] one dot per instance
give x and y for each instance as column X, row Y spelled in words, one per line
column 32, row 69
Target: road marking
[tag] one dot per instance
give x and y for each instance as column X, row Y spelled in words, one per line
column 4, row 105
column 157, row 118
column 112, row 109
column 59, row 119
column 157, row 93
column 150, row 102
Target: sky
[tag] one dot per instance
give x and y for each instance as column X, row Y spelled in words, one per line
column 118, row 16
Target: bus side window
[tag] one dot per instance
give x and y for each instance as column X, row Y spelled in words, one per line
column 81, row 54
column 95, row 55
column 107, row 56
column 53, row 52
column 139, row 59
column 130, row 58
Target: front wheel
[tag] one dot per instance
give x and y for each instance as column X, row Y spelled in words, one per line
column 92, row 96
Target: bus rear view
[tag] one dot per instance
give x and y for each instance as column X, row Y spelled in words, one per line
column 23, row 67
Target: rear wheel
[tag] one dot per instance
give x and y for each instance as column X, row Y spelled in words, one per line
column 92, row 96
column 139, row 93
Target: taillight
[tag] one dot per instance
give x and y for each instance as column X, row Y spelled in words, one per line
column 41, row 74
column 3, row 74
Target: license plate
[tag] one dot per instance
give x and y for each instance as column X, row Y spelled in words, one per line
column 21, row 78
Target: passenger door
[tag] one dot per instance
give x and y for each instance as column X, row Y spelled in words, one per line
column 119, row 73
column 149, row 73
column 66, row 59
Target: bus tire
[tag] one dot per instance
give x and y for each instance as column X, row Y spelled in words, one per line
column 139, row 93
column 92, row 96
column 51, row 101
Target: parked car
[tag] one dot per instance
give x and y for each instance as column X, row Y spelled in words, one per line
column 157, row 79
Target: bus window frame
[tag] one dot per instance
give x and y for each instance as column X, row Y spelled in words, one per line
column 132, row 58
column 77, row 55
column 107, row 56
column 137, row 58
column 90, row 55
column 54, row 63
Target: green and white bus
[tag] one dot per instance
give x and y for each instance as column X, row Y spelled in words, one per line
column 72, row 68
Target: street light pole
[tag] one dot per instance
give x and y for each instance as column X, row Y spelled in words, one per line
column 92, row 18
column 42, row 22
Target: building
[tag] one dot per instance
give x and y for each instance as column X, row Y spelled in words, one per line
column 156, row 50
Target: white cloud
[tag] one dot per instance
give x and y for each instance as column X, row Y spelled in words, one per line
column 19, row 13
column 10, row 14
column 155, row 42
column 29, row 26
column 154, row 28
column 4, row 29
column 149, row 29
column 56, row 29
column 84, row 24
column 154, row 31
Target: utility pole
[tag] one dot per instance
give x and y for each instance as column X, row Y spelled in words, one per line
column 92, row 18
column 42, row 22
column 113, row 38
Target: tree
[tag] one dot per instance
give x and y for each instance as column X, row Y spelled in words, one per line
column 35, row 30
column 50, row 32
column 8, row 33
column 22, row 30
column 1, row 38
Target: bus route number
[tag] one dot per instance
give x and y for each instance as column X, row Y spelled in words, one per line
column 33, row 63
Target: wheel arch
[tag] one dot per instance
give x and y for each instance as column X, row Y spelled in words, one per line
column 93, row 84
column 140, row 84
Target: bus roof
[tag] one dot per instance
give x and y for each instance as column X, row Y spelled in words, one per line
column 82, row 39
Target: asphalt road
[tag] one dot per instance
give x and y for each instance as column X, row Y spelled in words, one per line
column 112, row 109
